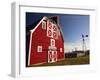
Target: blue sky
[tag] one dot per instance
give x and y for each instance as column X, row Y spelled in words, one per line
column 73, row 26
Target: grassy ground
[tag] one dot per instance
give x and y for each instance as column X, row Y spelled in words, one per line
column 68, row 61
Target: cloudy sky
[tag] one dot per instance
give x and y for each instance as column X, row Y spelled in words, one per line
column 73, row 26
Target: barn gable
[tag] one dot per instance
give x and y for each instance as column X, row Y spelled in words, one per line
column 35, row 29
column 55, row 20
column 44, row 18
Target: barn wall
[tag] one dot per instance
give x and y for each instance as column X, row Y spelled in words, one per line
column 39, row 38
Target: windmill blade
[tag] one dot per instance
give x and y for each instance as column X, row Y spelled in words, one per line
column 82, row 36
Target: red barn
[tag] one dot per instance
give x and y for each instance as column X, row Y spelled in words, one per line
column 46, row 44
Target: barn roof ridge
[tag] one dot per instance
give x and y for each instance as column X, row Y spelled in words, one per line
column 36, row 24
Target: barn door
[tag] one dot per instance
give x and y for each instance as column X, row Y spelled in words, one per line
column 54, row 59
column 52, row 56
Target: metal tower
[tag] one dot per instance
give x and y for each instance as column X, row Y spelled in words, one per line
column 83, row 42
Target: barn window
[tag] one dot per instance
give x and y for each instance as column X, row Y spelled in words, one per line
column 52, row 42
column 39, row 48
column 43, row 25
column 60, row 49
column 55, row 31
column 49, row 29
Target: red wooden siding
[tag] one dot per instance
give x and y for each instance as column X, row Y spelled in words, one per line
column 41, row 38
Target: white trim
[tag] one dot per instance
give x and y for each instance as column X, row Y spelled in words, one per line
column 53, row 56
column 15, row 40
column 38, row 24
column 49, row 53
column 39, row 49
column 61, row 50
column 56, row 32
column 59, row 31
column 30, row 48
column 37, row 64
column 43, row 23
column 52, row 44
column 48, row 21
column 59, row 5
column 55, row 25
column 31, row 37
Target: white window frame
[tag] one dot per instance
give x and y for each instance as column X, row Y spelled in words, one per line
column 43, row 23
column 49, row 29
column 51, row 42
column 48, row 56
column 61, row 50
column 39, row 48
column 55, row 31
column 53, row 55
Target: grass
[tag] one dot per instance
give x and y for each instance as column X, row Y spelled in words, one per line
column 68, row 61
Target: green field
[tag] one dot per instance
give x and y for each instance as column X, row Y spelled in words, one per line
column 68, row 61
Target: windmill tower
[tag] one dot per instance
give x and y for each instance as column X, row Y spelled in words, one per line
column 83, row 42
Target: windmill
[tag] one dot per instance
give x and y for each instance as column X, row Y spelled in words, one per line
column 83, row 42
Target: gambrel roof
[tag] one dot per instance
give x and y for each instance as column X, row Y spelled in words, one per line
column 34, row 25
